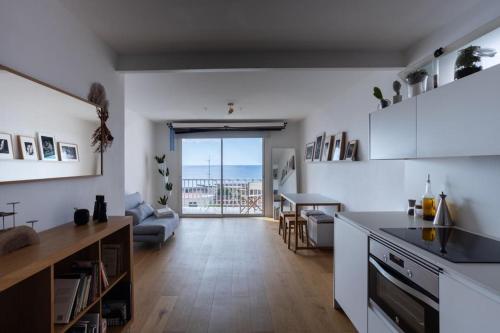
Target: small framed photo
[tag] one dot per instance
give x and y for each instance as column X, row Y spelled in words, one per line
column 318, row 147
column 47, row 145
column 339, row 147
column 6, row 151
column 327, row 148
column 27, row 146
column 309, row 151
column 351, row 151
column 68, row 152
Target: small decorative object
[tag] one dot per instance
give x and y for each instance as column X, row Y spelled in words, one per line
column 47, row 145
column 16, row 238
column 68, row 152
column 352, row 149
column 27, row 146
column 100, row 208
column 6, row 151
column 378, row 95
column 419, row 211
column 82, row 216
column 417, row 82
column 230, row 109
column 339, row 147
column 443, row 216
column 309, row 154
column 469, row 60
column 411, row 207
column 318, row 146
column 396, row 86
column 164, row 172
column 102, row 135
column 328, row 148
column 435, row 65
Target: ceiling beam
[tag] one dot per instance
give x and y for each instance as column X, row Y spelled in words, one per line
column 267, row 59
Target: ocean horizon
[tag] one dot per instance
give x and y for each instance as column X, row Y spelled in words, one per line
column 230, row 172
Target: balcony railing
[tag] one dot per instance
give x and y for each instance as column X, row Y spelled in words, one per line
column 237, row 196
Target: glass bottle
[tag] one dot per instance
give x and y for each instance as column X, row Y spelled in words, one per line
column 428, row 202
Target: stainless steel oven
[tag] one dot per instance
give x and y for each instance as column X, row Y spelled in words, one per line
column 404, row 288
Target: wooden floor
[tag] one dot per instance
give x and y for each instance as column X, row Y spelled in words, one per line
column 233, row 275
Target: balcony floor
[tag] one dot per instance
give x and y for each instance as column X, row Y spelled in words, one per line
column 217, row 211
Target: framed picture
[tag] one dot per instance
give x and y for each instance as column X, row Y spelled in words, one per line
column 352, row 149
column 27, row 146
column 68, row 152
column 339, row 147
column 47, row 145
column 6, row 146
column 318, row 147
column 327, row 148
column 309, row 151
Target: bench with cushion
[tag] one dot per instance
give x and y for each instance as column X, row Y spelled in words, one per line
column 147, row 227
column 321, row 230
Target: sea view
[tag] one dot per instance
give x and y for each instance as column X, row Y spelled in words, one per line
column 230, row 172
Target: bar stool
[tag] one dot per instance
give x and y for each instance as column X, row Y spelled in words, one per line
column 300, row 223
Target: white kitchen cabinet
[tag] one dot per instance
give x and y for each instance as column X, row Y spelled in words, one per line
column 461, row 118
column 393, row 133
column 351, row 272
column 464, row 309
column 376, row 323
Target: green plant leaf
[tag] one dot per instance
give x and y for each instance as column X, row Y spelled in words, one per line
column 377, row 93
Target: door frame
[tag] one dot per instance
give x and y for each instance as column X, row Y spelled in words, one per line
column 221, row 136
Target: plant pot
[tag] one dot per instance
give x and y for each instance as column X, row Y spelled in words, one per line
column 417, row 88
column 465, row 71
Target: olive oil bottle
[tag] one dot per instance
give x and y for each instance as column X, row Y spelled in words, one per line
column 428, row 202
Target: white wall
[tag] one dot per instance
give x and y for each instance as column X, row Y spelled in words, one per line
column 139, row 155
column 288, row 138
column 364, row 185
column 42, row 39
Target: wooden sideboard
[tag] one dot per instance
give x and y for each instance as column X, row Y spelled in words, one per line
column 27, row 275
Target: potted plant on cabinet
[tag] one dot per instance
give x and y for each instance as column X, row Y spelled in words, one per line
column 417, row 82
column 377, row 93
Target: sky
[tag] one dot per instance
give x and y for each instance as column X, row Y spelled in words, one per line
column 244, row 151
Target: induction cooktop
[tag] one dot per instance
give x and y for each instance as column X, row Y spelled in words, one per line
column 451, row 244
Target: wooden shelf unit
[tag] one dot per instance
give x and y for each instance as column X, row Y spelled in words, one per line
column 27, row 275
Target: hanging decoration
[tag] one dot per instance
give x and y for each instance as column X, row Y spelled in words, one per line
column 102, row 137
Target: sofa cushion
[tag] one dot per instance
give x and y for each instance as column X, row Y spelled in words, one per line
column 140, row 213
column 132, row 200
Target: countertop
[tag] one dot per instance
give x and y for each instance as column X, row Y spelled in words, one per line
column 482, row 277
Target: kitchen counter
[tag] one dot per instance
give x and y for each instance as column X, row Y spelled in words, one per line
column 485, row 276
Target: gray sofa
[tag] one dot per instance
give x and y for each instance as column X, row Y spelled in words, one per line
column 147, row 227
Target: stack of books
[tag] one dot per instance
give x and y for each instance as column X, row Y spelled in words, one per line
column 112, row 259
column 76, row 290
column 89, row 323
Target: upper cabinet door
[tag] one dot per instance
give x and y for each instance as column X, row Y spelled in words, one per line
column 393, row 132
column 461, row 118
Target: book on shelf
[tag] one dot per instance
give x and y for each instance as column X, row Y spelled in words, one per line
column 116, row 305
column 111, row 255
column 104, row 277
column 89, row 323
column 87, row 289
column 65, row 291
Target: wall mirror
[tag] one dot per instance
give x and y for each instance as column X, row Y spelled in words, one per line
column 45, row 133
column 284, row 173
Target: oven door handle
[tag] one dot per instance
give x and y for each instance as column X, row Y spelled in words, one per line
column 403, row 286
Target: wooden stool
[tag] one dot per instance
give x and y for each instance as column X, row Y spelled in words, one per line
column 282, row 222
column 289, row 222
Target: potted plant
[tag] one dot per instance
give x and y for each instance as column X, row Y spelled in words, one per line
column 396, row 86
column 417, row 82
column 378, row 95
column 469, row 60
column 164, row 172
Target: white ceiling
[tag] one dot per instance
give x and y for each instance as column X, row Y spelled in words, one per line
column 257, row 94
column 160, row 26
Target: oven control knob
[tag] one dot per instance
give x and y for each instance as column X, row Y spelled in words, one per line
column 409, row 273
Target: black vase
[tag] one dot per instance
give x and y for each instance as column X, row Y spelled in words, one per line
column 100, row 208
column 82, row 216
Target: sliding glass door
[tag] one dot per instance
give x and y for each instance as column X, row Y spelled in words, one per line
column 222, row 176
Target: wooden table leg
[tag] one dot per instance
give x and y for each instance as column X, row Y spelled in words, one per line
column 295, row 226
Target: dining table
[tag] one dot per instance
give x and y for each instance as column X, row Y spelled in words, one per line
column 300, row 200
